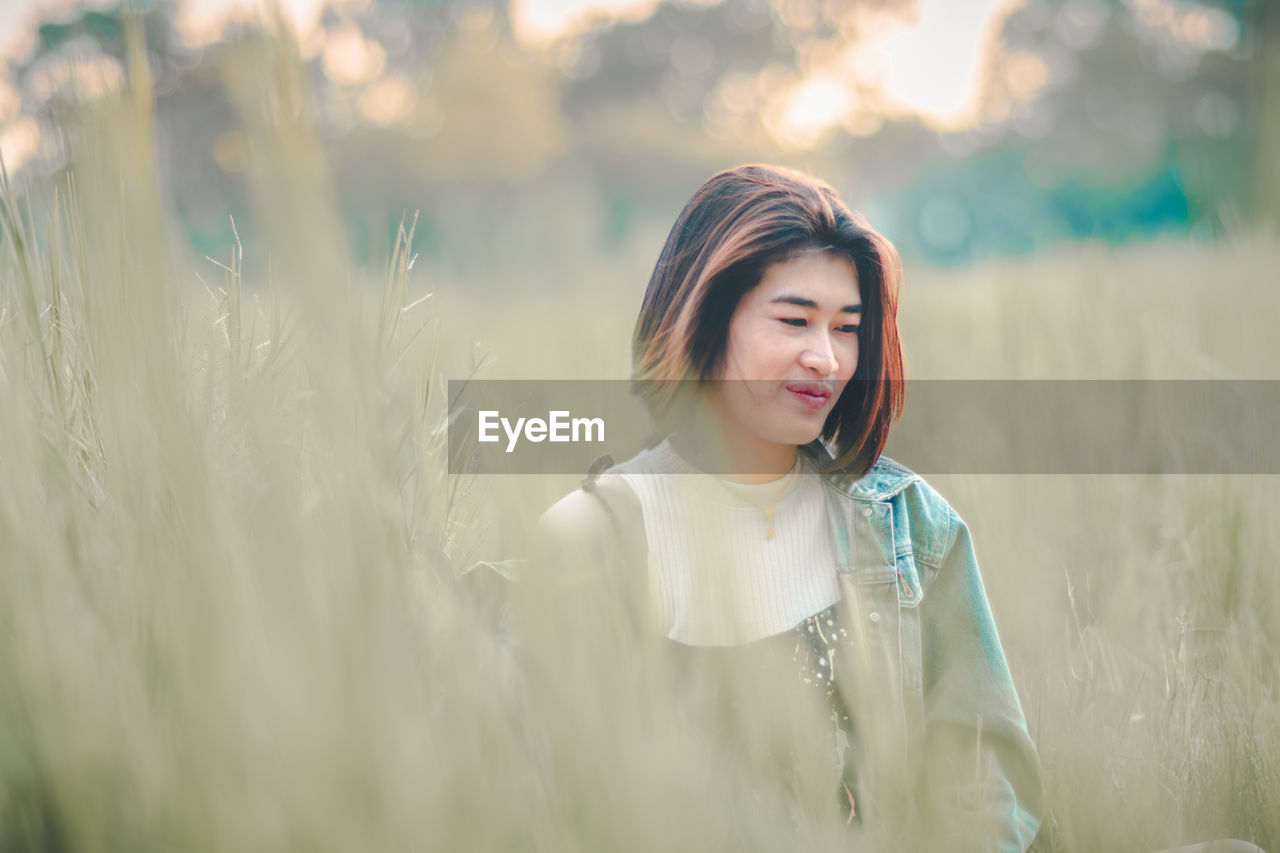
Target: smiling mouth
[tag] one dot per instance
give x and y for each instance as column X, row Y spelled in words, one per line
column 813, row 396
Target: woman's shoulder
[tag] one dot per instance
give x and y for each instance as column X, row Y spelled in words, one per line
column 591, row 507
column 930, row 518
column 608, row 504
column 886, row 479
column 593, row 519
column 893, row 478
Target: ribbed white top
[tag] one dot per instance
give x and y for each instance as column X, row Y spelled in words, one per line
column 714, row 579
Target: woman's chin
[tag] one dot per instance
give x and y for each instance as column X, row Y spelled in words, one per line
column 796, row 434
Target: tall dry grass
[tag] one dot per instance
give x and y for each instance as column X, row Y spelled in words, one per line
column 233, row 606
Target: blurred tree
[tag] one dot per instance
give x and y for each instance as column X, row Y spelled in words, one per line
column 79, row 61
column 1102, row 117
column 433, row 105
column 710, row 67
column 1263, row 20
column 675, row 56
column 83, row 58
column 1258, row 23
column 1106, row 94
column 441, row 87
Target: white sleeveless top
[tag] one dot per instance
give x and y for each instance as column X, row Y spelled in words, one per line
column 714, row 579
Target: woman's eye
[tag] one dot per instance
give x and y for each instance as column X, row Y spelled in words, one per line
column 793, row 321
column 851, row 329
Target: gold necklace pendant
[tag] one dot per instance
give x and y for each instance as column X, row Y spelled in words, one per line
column 767, row 509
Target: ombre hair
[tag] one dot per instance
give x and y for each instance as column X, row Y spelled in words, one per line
column 737, row 225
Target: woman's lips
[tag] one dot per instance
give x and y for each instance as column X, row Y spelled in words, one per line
column 813, row 396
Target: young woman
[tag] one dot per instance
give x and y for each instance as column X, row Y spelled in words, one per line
column 763, row 523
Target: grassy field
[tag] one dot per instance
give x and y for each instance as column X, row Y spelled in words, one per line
column 230, row 613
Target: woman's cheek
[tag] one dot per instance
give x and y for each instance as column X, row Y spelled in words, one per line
column 849, row 362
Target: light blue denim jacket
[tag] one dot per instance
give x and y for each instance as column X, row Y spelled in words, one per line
column 935, row 699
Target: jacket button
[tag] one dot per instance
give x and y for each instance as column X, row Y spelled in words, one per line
column 866, row 510
column 874, row 617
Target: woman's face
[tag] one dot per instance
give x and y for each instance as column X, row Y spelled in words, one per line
column 793, row 346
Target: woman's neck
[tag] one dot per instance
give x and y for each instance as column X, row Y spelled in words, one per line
column 739, row 459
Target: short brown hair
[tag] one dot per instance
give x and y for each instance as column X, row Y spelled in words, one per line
column 738, row 224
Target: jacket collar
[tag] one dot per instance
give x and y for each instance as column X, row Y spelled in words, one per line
column 885, row 479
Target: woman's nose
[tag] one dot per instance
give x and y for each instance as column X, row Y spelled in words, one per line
column 820, row 356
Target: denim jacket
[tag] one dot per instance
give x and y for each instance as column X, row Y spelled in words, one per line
column 932, row 684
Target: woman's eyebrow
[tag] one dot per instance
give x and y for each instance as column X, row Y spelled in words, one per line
column 801, row 302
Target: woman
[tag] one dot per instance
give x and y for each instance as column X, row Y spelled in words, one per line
column 763, row 524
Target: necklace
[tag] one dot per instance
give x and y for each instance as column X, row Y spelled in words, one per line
column 767, row 509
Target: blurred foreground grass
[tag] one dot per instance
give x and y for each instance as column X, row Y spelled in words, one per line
column 229, row 608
